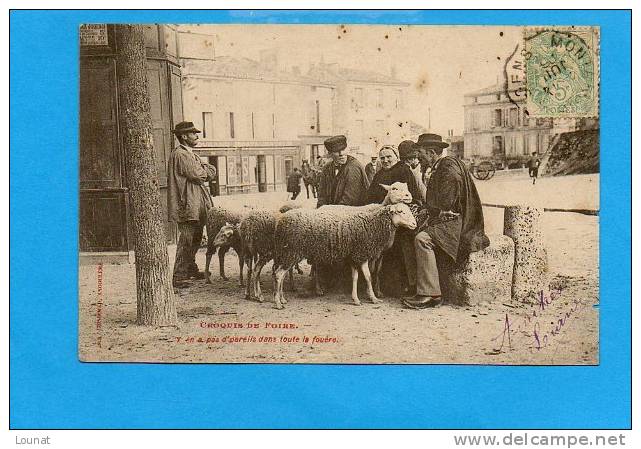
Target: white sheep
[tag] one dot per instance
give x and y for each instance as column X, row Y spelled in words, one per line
column 334, row 234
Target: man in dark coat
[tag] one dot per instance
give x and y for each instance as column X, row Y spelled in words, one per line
column 533, row 167
column 293, row 183
column 343, row 180
column 370, row 169
column 455, row 223
column 187, row 200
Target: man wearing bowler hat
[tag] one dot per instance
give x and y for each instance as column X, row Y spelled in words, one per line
column 455, row 225
column 187, row 201
column 343, row 180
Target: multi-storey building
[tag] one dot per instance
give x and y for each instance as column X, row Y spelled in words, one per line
column 258, row 122
column 369, row 107
column 497, row 127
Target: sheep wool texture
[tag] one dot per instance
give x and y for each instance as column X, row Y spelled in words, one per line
column 332, row 234
column 257, row 232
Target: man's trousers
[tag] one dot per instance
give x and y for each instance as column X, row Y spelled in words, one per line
column 191, row 234
column 427, row 282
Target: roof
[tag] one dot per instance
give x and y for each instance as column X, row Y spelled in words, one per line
column 494, row 89
column 245, row 68
column 334, row 73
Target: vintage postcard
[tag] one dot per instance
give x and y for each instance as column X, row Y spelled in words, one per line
column 353, row 194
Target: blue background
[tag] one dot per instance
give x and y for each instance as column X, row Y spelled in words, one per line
column 50, row 388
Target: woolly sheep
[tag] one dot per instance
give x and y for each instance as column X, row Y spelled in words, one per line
column 217, row 218
column 335, row 234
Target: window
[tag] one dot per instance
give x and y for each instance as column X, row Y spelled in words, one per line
column 231, row 125
column 498, row 97
column 358, row 97
column 514, row 117
column 398, row 99
column 526, row 118
column 497, row 117
column 476, row 99
column 208, row 125
column 273, row 125
column 317, row 117
column 497, row 148
column 379, row 98
column 253, row 127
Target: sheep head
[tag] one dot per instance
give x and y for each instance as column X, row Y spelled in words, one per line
column 402, row 216
column 226, row 234
column 398, row 192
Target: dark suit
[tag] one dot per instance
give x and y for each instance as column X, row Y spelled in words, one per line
column 450, row 188
column 345, row 184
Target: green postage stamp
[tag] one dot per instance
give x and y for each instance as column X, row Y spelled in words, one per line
column 562, row 71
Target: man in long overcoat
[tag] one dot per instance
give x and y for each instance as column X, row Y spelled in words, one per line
column 455, row 224
column 343, row 180
column 187, row 201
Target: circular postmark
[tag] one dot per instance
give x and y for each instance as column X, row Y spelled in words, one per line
column 559, row 67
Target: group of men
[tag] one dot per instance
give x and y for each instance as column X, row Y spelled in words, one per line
column 448, row 201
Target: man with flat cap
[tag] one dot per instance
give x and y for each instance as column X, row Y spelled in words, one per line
column 187, row 201
column 455, row 225
column 343, row 180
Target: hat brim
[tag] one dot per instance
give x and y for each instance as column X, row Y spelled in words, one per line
column 188, row 130
column 431, row 144
column 336, row 149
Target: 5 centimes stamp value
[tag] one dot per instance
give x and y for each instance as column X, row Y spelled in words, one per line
column 562, row 71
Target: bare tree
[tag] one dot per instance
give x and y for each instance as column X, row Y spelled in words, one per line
column 155, row 294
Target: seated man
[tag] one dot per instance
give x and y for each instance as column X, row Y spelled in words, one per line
column 455, row 224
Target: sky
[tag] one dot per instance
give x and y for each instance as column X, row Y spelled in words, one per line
column 441, row 63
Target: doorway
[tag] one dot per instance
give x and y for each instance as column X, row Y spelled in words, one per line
column 261, row 167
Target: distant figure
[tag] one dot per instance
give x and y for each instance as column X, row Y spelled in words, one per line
column 320, row 162
column 533, row 167
column 310, row 178
column 370, row 168
column 293, row 183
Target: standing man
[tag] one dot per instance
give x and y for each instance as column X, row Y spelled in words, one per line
column 455, row 224
column 370, row 168
column 187, row 201
column 343, row 180
column 533, row 167
column 293, row 183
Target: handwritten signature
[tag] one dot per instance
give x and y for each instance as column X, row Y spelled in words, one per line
column 540, row 338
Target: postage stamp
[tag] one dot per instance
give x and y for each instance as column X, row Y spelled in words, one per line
column 562, row 71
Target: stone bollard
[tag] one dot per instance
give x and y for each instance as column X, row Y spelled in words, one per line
column 531, row 276
column 485, row 277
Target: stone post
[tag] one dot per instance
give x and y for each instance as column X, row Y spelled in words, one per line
column 531, row 276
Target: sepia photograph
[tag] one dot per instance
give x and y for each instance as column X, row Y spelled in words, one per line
column 339, row 194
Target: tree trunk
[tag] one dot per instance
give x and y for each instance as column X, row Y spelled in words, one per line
column 155, row 294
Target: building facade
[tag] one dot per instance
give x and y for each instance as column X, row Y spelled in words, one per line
column 497, row 127
column 369, row 108
column 104, row 194
column 258, row 122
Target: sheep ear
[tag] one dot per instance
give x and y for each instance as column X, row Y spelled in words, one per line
column 386, row 187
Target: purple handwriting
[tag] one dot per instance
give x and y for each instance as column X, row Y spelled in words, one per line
column 530, row 321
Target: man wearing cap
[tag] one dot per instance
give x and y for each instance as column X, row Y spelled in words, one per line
column 370, row 168
column 455, row 225
column 343, row 180
column 187, row 200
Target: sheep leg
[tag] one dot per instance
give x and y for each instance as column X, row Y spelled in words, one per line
column 241, row 263
column 368, row 280
column 221, row 261
column 258, row 294
column 279, row 276
column 357, row 302
column 250, row 273
column 292, row 287
column 210, row 252
column 376, row 276
column 317, row 281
